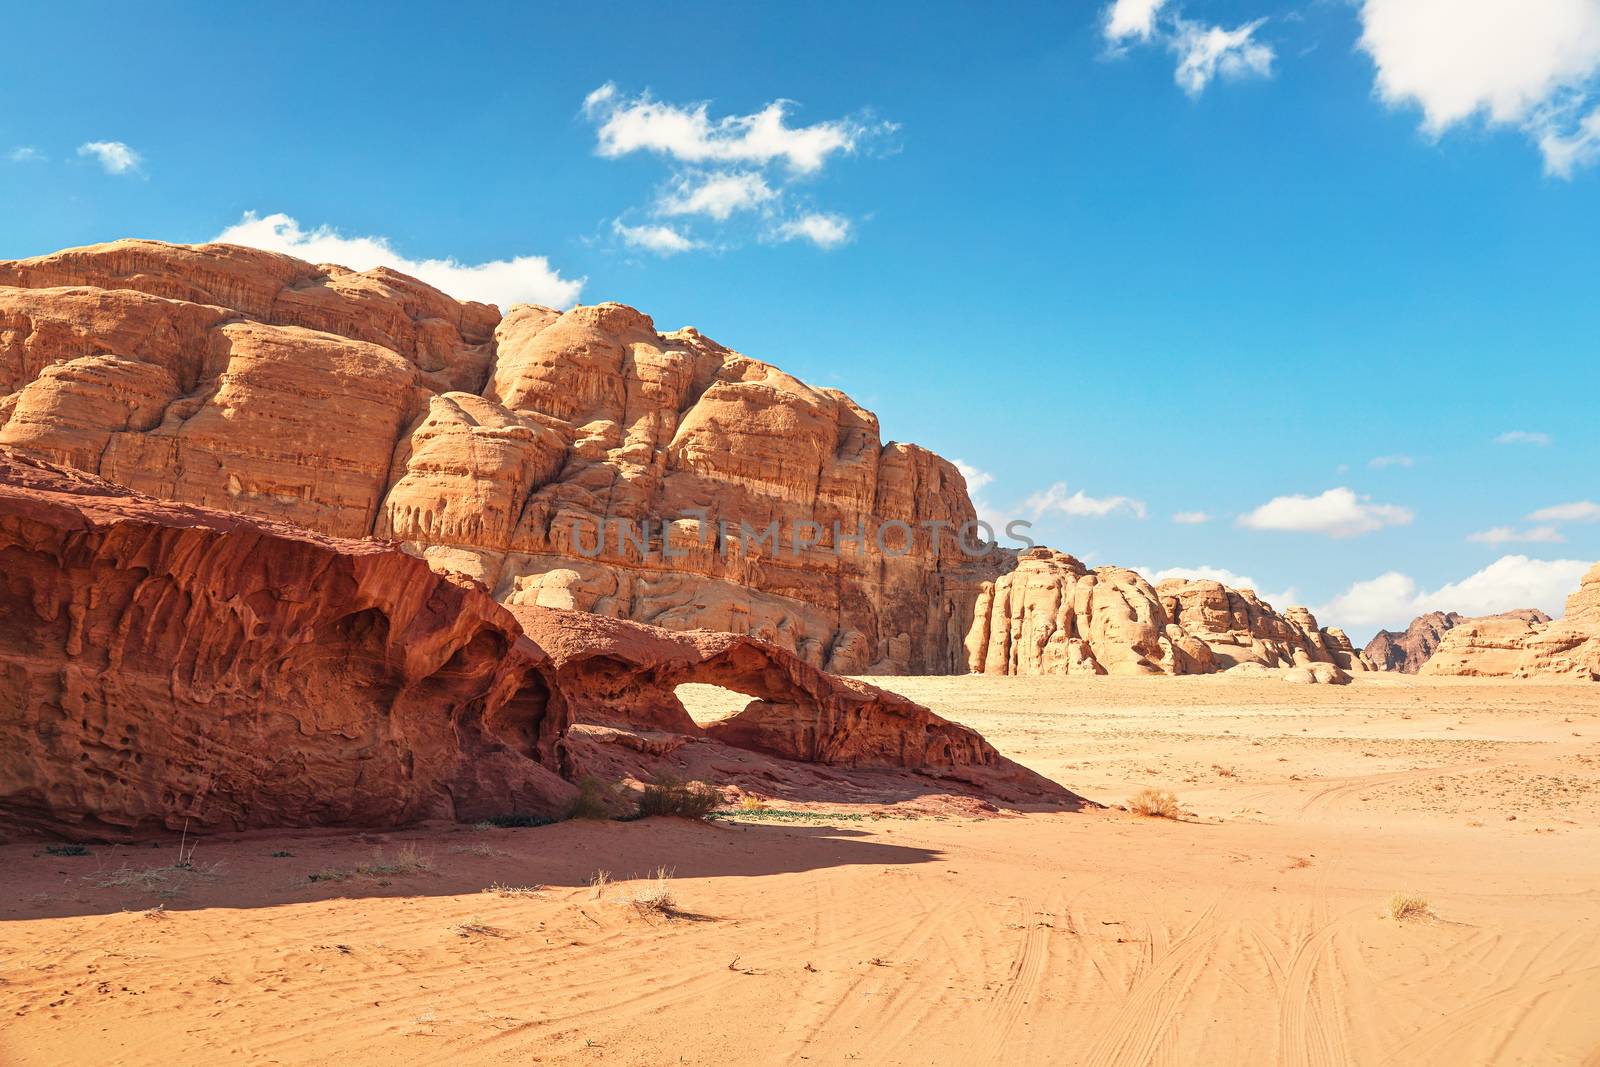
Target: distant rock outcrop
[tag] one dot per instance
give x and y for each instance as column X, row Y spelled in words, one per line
column 1053, row 615
column 1518, row 646
column 164, row 665
column 1407, row 652
column 370, row 404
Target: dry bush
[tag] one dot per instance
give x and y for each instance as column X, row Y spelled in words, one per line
column 595, row 799
column 500, row 890
column 476, row 927
column 166, row 881
column 599, row 883
column 478, row 850
column 656, row 898
column 751, row 803
column 1403, row 906
column 1155, row 803
column 1224, row 772
column 667, row 795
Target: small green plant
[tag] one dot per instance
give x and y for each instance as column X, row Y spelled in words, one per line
column 66, row 850
column 516, row 820
column 667, row 795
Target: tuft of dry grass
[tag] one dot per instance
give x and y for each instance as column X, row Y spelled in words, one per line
column 751, row 803
column 501, row 890
column 599, row 883
column 478, row 850
column 667, row 795
column 655, row 897
column 1403, row 906
column 1155, row 804
column 1224, row 772
column 476, row 927
column 165, row 881
column 596, row 799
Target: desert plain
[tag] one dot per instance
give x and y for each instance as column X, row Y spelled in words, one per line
column 1257, row 927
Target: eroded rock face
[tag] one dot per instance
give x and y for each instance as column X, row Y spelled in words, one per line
column 1407, row 652
column 1517, row 646
column 1053, row 615
column 164, row 665
column 369, row 404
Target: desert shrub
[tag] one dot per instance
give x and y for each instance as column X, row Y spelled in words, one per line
column 516, row 819
column 655, row 897
column 1403, row 906
column 595, row 799
column 66, row 850
column 1155, row 803
column 667, row 795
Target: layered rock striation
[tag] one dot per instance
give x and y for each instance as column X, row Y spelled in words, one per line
column 1054, row 615
column 1519, row 646
column 166, row 665
column 1407, row 651
column 576, row 459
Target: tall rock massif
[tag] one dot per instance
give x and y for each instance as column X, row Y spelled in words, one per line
column 1515, row 646
column 370, row 404
column 1406, row 652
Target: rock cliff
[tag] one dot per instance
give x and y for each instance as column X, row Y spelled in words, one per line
column 1406, row 652
column 1518, row 646
column 577, row 459
column 164, row 665
column 1053, row 615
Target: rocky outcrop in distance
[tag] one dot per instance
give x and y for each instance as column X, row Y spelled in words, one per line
column 1520, row 646
column 1054, row 615
column 501, row 447
column 166, row 665
column 1407, row 651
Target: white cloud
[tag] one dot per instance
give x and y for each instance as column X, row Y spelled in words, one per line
column 1191, row 518
column 718, row 195
column 1523, row 437
column 1531, row 64
column 1132, row 18
column 822, row 230
column 1392, row 599
column 662, row 240
column 977, row 480
column 114, row 156
column 1080, row 505
column 1207, row 52
column 523, row 280
column 25, row 153
column 1336, row 513
column 1577, row 511
column 1504, row 535
column 690, row 135
column 1378, row 463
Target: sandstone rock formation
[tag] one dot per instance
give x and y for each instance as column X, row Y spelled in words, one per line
column 1516, row 646
column 164, row 665
column 359, row 404
column 1407, row 652
column 1053, row 615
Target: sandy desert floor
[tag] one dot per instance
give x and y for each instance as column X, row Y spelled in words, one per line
column 1253, row 931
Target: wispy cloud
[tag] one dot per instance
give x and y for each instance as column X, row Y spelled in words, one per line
column 25, row 153
column 1335, row 513
column 1191, row 518
column 1523, row 437
column 662, row 240
column 522, row 280
column 1204, row 52
column 725, row 166
column 114, row 157
column 1577, row 511
column 822, row 230
column 1079, row 504
column 1378, row 463
column 1506, row 535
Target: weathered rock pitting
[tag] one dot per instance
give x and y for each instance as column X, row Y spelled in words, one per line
column 370, row 404
column 164, row 665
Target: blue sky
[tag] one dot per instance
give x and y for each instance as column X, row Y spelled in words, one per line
column 1170, row 257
